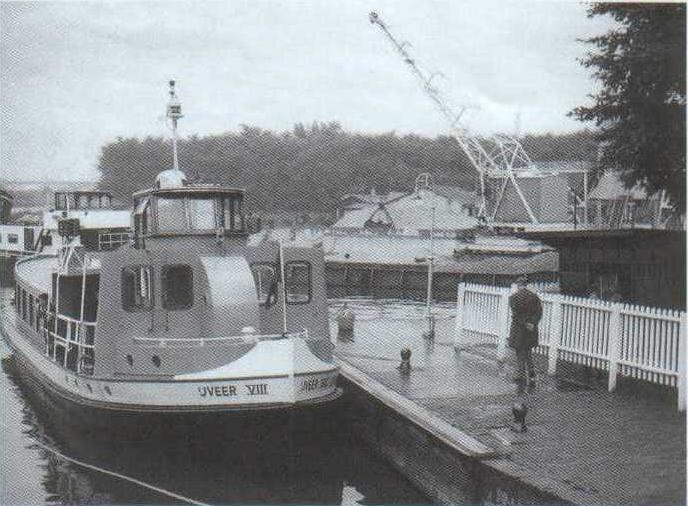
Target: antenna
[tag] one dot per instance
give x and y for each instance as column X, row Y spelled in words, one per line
column 496, row 156
column 174, row 113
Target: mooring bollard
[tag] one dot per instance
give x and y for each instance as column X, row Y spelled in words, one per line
column 520, row 410
column 345, row 324
column 405, row 365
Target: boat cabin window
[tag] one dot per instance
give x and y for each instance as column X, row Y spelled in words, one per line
column 82, row 200
column 232, row 215
column 177, row 287
column 12, row 238
column 31, row 310
column 142, row 216
column 298, row 282
column 171, row 214
column 137, row 293
column 202, row 213
column 23, row 304
column 264, row 278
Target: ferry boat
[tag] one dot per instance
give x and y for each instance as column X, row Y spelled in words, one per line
column 186, row 317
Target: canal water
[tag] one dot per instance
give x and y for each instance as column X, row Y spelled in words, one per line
column 280, row 458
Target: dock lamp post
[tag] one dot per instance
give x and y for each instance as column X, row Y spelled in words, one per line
column 430, row 333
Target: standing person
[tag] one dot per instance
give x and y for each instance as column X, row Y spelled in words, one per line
column 526, row 311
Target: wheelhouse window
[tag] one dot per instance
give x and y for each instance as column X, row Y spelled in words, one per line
column 202, row 213
column 23, row 303
column 137, row 293
column 232, row 214
column 264, row 278
column 171, row 214
column 298, row 282
column 31, row 320
column 64, row 201
column 12, row 238
column 177, row 287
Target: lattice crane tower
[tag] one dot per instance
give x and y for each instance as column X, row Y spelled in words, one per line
column 498, row 156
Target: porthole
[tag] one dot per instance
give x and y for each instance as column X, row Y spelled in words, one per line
column 156, row 360
column 130, row 360
column 107, row 390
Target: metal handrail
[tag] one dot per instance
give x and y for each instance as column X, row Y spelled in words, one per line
column 247, row 338
column 113, row 239
column 76, row 333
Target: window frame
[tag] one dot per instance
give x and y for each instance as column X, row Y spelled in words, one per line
column 185, row 229
column 151, row 289
column 190, row 216
column 275, row 270
column 24, row 308
column 310, row 282
column 163, row 287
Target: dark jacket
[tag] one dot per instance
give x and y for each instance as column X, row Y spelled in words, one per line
column 526, row 308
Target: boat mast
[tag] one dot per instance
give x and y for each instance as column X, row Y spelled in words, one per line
column 174, row 113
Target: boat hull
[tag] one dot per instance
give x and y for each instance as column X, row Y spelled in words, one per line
column 210, row 391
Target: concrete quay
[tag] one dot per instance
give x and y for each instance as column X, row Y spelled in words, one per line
column 446, row 424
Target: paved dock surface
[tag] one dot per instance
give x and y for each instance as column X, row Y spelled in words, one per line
column 583, row 443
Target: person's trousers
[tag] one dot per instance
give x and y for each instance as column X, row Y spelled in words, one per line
column 524, row 368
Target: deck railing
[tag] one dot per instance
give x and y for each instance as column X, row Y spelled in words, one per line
column 108, row 241
column 70, row 342
column 641, row 342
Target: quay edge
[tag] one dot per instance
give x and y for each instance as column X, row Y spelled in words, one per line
column 444, row 463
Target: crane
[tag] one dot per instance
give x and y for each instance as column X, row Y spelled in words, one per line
column 499, row 156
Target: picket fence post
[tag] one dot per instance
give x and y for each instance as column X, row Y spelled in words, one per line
column 681, row 383
column 504, row 322
column 614, row 344
column 555, row 334
column 458, row 336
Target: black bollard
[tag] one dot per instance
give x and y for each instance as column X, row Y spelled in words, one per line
column 345, row 324
column 405, row 365
column 520, row 410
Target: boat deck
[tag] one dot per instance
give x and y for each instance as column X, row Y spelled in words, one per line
column 584, row 444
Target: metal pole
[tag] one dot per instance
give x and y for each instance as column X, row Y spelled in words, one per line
column 83, row 289
column 431, row 324
column 175, row 161
column 284, row 288
column 57, row 298
column 585, row 197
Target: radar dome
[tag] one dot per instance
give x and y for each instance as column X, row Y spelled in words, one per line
column 171, row 178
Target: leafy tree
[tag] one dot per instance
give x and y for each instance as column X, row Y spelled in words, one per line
column 311, row 167
column 640, row 108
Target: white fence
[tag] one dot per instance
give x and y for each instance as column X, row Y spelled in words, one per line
column 641, row 342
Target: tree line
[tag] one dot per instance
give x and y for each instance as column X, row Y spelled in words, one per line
column 311, row 167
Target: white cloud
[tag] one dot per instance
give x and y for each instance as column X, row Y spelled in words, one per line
column 78, row 74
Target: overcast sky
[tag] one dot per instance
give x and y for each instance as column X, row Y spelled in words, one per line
column 76, row 75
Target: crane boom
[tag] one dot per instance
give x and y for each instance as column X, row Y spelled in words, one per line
column 497, row 156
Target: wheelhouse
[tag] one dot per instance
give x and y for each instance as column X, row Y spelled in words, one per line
column 174, row 208
column 69, row 201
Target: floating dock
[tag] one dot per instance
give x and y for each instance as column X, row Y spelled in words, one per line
column 445, row 425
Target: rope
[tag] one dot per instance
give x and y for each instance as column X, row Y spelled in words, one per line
column 120, row 476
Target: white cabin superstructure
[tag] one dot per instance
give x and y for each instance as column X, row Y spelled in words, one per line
column 185, row 317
